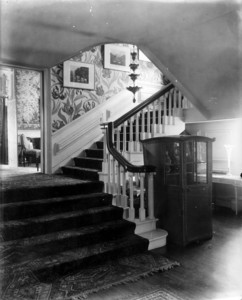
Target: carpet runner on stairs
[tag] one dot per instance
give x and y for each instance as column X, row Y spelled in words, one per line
column 87, row 167
column 54, row 228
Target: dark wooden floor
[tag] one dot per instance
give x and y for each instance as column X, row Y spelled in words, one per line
column 210, row 270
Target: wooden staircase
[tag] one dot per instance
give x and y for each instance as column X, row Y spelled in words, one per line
column 115, row 164
column 59, row 227
column 89, row 168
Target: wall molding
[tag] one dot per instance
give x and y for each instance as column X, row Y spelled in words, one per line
column 72, row 139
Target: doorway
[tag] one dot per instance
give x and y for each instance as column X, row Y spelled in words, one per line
column 22, row 93
column 27, row 93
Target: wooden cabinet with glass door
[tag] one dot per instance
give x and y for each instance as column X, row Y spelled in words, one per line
column 182, row 186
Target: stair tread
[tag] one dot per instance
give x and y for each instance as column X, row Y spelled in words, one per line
column 84, row 252
column 81, row 168
column 30, row 190
column 89, row 158
column 154, row 234
column 46, row 218
column 64, row 234
column 52, row 200
column 92, row 149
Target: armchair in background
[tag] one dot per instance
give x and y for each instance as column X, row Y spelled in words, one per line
column 30, row 150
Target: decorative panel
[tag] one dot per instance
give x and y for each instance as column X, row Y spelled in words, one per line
column 27, row 87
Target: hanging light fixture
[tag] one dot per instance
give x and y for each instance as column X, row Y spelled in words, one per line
column 133, row 76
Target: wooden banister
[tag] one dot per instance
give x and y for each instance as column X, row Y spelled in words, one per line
column 143, row 104
column 123, row 178
column 111, row 125
column 119, row 157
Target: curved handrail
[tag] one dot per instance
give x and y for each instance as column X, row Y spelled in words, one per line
column 143, row 104
column 120, row 158
column 109, row 130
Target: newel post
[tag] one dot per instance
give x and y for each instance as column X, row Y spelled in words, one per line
column 151, row 195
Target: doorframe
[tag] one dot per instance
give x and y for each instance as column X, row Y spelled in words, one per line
column 11, row 122
column 45, row 115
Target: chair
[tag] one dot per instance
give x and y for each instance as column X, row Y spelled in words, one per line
column 29, row 152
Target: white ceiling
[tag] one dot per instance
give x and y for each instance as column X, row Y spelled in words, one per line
column 197, row 43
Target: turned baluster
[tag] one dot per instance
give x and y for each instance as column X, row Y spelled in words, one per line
column 131, row 197
column 142, row 202
column 169, row 107
column 164, row 114
column 137, row 132
column 151, row 195
column 159, row 114
column 118, row 198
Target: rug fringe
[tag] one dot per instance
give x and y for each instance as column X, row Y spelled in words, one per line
column 85, row 294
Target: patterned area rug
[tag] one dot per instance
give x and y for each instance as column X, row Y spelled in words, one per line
column 21, row 283
column 159, row 294
column 11, row 181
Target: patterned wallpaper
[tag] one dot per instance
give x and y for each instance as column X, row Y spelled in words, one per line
column 70, row 103
column 27, row 87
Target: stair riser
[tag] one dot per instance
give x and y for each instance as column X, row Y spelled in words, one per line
column 90, row 164
column 69, row 234
column 82, row 174
column 99, row 145
column 33, row 229
column 94, row 153
column 53, row 247
column 49, row 273
column 11, row 196
column 28, row 211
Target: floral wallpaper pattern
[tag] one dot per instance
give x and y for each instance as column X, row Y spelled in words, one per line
column 27, row 85
column 70, row 103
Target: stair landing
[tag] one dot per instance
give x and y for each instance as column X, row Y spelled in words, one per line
column 156, row 237
column 147, row 229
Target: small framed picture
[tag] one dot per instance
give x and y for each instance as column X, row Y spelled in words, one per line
column 78, row 75
column 117, row 57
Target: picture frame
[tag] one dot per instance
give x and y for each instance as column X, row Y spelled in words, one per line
column 78, row 75
column 116, row 57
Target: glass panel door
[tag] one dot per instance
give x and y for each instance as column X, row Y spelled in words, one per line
column 190, row 166
column 196, row 162
column 201, row 162
column 172, row 163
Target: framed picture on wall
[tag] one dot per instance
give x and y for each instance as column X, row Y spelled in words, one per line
column 78, row 75
column 117, row 57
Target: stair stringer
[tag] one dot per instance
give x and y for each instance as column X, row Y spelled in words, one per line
column 72, row 139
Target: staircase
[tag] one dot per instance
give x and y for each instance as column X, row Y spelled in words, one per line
column 153, row 117
column 89, row 167
column 158, row 115
column 53, row 230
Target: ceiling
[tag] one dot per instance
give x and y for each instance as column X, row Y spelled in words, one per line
column 196, row 43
